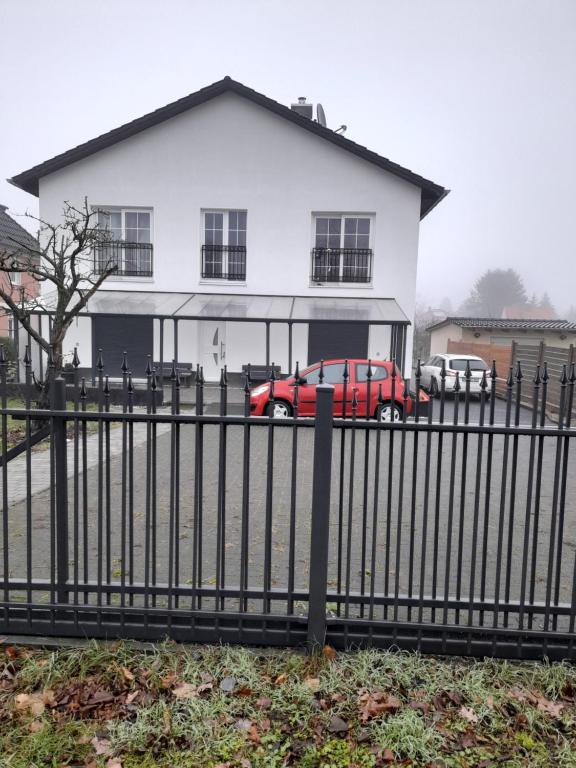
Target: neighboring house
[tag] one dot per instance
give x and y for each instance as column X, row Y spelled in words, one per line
column 12, row 238
column 229, row 208
column 499, row 332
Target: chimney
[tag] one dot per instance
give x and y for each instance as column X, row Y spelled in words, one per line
column 303, row 108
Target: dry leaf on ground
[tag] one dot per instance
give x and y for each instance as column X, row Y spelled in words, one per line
column 329, row 652
column 468, row 714
column 185, row 691
column 374, row 703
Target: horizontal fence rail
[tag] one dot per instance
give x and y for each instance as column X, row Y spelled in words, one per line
column 447, row 529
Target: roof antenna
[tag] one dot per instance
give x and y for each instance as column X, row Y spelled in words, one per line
column 320, row 115
column 342, row 129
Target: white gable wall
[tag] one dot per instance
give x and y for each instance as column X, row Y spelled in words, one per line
column 231, row 154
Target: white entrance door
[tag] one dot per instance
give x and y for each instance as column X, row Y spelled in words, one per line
column 212, row 348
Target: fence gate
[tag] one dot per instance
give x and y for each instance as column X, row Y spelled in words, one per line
column 447, row 531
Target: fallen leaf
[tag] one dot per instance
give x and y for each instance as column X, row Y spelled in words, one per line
column 114, row 762
column 132, row 696
column 329, row 653
column 521, row 694
column 420, row 706
column 468, row 714
column 228, row 684
column 374, row 703
column 263, row 703
column 313, row 683
column 34, row 702
column 167, row 680
column 128, row 676
column 36, row 726
column 281, row 679
column 337, row 725
column 253, row 734
column 388, row 756
column 167, row 721
column 101, row 746
column 244, row 724
column 204, row 688
column 185, row 691
column 243, row 691
column 545, row 705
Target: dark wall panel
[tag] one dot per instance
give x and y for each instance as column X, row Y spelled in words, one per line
column 334, row 340
column 115, row 334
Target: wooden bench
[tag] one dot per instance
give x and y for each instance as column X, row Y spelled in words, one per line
column 185, row 371
column 261, row 372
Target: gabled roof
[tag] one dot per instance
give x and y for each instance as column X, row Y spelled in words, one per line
column 496, row 322
column 12, row 234
column 28, row 180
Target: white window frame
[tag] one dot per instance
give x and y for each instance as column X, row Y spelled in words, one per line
column 343, row 216
column 15, row 278
column 123, row 210
column 225, row 242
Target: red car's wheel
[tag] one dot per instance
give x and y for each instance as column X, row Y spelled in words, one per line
column 279, row 409
column 389, row 412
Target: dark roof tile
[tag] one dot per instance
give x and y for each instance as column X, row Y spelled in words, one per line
column 28, row 180
column 496, row 322
column 12, row 233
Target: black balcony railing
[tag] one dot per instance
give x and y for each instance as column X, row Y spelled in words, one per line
column 130, row 259
column 224, row 262
column 341, row 265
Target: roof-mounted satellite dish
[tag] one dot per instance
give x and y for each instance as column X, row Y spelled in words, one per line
column 320, row 116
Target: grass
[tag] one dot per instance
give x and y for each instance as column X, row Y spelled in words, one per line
column 117, row 705
column 16, row 428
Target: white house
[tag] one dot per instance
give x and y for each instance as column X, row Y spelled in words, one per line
column 247, row 232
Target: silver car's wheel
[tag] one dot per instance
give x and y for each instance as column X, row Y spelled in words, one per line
column 389, row 412
column 280, row 410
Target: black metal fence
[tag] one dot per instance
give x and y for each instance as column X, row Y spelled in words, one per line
column 448, row 533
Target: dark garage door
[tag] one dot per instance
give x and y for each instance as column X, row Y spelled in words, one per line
column 332, row 340
column 114, row 335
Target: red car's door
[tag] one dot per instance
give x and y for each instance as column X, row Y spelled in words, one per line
column 380, row 376
column 333, row 374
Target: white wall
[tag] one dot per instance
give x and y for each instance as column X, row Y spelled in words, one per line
column 232, row 154
column 440, row 337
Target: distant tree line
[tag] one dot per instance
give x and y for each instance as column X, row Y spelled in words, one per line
column 500, row 289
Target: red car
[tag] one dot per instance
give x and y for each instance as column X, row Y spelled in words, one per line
column 283, row 404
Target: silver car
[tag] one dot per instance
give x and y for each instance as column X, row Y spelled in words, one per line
column 455, row 364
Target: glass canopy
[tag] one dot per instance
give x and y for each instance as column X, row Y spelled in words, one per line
column 244, row 307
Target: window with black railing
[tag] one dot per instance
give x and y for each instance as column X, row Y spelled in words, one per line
column 129, row 259
column 341, row 265
column 224, row 262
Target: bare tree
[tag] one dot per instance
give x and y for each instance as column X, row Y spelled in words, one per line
column 65, row 261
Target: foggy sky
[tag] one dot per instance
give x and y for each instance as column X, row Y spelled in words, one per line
column 477, row 95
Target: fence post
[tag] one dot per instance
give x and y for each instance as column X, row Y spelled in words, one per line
column 321, row 482
column 58, row 403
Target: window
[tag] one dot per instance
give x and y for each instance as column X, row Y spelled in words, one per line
column 16, row 278
column 342, row 251
column 379, row 372
column 224, row 249
column 131, row 249
column 333, row 374
column 460, row 365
